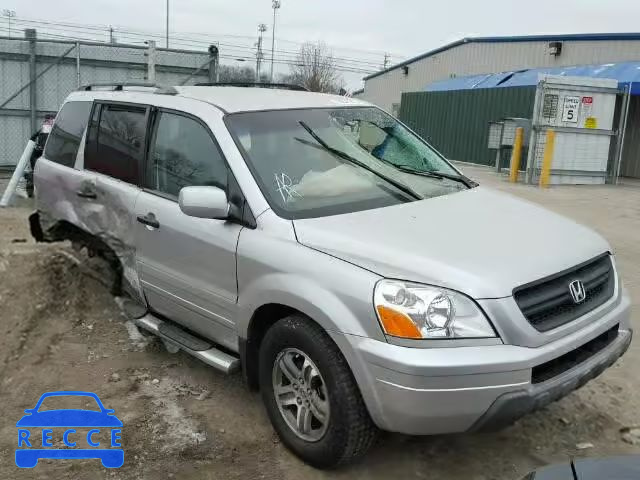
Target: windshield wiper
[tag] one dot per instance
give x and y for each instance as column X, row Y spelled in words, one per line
column 433, row 174
column 355, row 161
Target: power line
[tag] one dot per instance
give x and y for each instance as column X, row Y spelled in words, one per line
column 344, row 65
column 277, row 60
column 179, row 40
column 81, row 28
column 284, row 57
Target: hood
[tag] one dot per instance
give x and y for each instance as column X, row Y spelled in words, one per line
column 481, row 242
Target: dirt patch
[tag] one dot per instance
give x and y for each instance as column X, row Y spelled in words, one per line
column 62, row 330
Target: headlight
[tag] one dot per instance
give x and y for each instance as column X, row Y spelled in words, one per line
column 410, row 310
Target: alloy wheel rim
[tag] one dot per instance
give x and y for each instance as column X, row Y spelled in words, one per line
column 301, row 394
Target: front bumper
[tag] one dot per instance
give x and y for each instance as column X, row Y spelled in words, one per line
column 424, row 391
column 511, row 406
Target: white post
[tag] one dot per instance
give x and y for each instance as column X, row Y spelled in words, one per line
column 622, row 132
column 151, row 62
column 17, row 174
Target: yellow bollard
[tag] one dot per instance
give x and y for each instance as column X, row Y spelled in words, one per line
column 545, row 174
column 516, row 155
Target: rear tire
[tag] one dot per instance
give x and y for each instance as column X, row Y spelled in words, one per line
column 348, row 431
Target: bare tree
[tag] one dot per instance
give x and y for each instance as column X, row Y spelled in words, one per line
column 315, row 69
column 232, row 73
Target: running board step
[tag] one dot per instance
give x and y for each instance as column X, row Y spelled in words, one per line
column 185, row 339
column 194, row 346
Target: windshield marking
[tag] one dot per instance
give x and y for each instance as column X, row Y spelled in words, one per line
column 286, row 188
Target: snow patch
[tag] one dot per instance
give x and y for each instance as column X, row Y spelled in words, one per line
column 136, row 338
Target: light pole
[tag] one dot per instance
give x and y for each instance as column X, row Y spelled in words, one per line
column 276, row 5
column 167, row 30
column 9, row 14
column 259, row 55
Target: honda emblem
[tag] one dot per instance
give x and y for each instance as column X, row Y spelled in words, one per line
column 578, row 293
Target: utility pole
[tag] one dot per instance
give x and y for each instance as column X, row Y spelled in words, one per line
column 167, row 30
column 111, row 40
column 259, row 54
column 387, row 57
column 276, row 5
column 9, row 14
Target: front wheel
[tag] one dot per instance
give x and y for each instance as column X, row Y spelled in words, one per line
column 311, row 396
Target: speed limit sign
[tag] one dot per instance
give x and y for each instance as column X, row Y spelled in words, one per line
column 570, row 109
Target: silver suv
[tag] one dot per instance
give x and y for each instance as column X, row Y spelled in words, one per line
column 359, row 279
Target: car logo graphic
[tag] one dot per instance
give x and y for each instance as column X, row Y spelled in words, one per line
column 578, row 293
column 28, row 452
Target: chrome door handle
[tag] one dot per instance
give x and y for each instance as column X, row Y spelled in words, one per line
column 149, row 219
column 87, row 194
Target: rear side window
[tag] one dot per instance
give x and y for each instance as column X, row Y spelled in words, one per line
column 116, row 142
column 64, row 139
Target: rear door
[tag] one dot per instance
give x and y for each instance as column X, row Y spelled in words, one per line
column 58, row 178
column 115, row 152
column 187, row 265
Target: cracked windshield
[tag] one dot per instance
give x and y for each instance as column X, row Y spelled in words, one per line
column 322, row 161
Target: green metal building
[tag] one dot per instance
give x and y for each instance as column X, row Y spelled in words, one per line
column 456, row 122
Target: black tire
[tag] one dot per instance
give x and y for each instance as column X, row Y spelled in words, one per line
column 350, row 431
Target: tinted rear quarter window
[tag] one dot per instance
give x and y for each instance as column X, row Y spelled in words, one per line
column 64, row 139
column 116, row 142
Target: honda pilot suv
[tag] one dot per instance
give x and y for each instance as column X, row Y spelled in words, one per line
column 358, row 278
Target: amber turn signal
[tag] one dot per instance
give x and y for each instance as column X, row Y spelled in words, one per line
column 397, row 324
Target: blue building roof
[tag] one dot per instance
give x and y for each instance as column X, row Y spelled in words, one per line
column 574, row 37
column 626, row 73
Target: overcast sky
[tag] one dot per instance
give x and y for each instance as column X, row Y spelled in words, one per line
column 361, row 30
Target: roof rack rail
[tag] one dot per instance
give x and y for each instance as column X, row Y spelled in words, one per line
column 120, row 86
column 281, row 86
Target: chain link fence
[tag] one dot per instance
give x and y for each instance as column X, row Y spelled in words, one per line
column 37, row 75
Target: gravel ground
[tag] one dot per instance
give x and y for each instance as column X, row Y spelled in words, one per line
column 62, row 330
